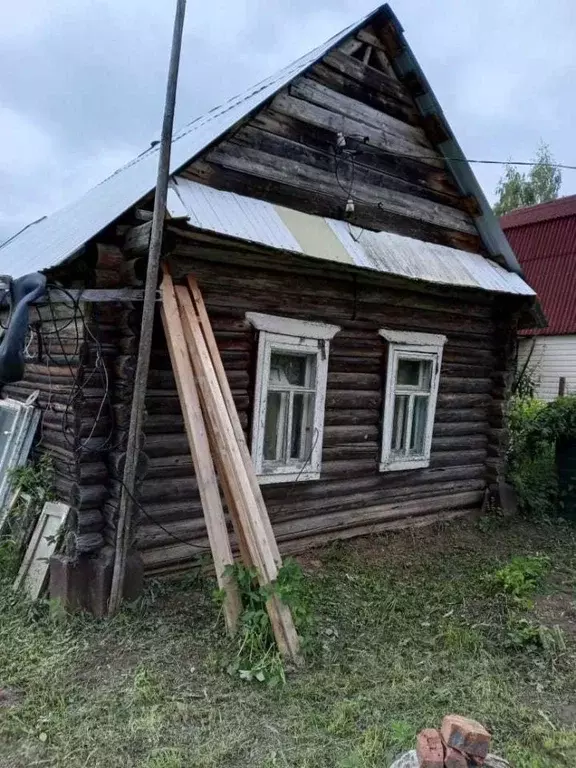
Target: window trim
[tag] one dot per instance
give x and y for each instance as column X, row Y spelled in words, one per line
column 426, row 346
column 15, row 451
column 289, row 335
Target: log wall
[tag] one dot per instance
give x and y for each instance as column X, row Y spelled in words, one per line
column 72, row 361
column 352, row 497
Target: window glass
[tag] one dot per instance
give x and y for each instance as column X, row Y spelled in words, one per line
column 401, row 403
column 290, row 370
column 408, row 372
column 302, row 423
column 275, row 425
column 418, row 430
column 414, row 373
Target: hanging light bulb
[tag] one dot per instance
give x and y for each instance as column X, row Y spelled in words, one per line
column 349, row 205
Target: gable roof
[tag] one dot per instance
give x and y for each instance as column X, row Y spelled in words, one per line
column 544, row 237
column 54, row 239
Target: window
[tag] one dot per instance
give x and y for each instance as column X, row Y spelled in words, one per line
column 288, row 417
column 412, row 377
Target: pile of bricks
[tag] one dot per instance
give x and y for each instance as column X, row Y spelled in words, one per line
column 460, row 743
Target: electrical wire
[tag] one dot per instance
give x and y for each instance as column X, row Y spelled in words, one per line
column 149, row 517
column 77, row 390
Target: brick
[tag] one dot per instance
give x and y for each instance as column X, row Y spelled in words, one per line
column 465, row 735
column 455, row 759
column 430, row 749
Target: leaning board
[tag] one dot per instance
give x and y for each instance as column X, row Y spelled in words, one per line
column 34, row 569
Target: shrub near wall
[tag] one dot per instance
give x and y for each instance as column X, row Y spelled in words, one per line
column 542, row 440
column 531, row 459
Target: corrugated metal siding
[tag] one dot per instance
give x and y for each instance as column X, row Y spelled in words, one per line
column 547, row 253
column 234, row 215
column 553, row 357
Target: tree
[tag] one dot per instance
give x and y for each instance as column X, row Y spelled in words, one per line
column 541, row 184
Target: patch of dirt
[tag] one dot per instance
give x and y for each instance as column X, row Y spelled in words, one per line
column 507, row 538
column 10, row 698
column 557, row 609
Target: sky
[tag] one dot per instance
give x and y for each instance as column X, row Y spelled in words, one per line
column 83, row 81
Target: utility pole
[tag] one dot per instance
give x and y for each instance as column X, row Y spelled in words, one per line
column 126, row 511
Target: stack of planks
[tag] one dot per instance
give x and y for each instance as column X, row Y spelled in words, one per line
column 216, row 438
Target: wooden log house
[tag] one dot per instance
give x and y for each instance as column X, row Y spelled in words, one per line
column 364, row 300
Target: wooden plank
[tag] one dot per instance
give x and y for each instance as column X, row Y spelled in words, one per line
column 414, row 139
column 200, row 451
column 35, row 565
column 351, row 125
column 95, row 295
column 360, row 167
column 321, row 139
column 235, row 470
column 350, row 46
column 294, row 173
column 377, row 99
column 368, row 76
column 367, row 35
column 231, row 409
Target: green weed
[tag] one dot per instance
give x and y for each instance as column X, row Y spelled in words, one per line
column 521, row 577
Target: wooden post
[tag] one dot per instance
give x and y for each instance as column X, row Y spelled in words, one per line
column 125, row 513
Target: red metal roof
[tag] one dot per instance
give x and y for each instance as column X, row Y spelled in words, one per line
column 544, row 240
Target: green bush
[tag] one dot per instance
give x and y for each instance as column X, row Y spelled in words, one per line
column 531, row 460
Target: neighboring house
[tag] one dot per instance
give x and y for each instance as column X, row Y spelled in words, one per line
column 544, row 239
column 364, row 299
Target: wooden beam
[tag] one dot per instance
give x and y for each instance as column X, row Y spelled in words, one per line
column 137, row 240
column 292, row 172
column 407, row 138
column 200, row 451
column 234, row 467
column 351, row 125
column 367, row 75
column 95, row 295
column 231, row 408
column 350, row 46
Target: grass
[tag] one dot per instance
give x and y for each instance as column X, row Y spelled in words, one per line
column 408, row 627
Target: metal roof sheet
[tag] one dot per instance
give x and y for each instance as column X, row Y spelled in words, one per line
column 555, row 209
column 546, row 248
column 256, row 221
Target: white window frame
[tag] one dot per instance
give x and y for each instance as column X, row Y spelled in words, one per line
column 285, row 334
column 416, row 346
column 16, row 445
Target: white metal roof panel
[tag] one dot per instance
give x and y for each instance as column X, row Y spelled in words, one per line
column 54, row 239
column 275, row 226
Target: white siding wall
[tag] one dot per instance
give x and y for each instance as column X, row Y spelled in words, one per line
column 553, row 357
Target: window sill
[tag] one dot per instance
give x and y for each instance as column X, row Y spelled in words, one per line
column 399, row 466
column 288, row 477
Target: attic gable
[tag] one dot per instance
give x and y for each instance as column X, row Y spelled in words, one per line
column 290, row 150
